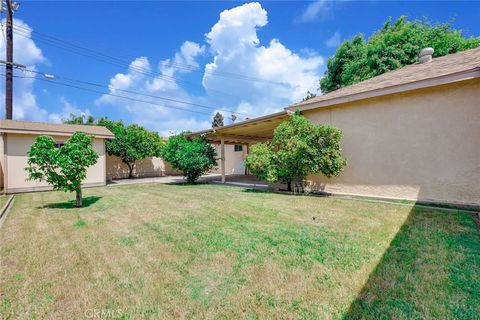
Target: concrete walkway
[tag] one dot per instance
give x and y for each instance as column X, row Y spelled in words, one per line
column 166, row 179
column 235, row 180
column 241, row 181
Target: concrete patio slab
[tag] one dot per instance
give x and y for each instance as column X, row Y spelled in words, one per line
column 235, row 180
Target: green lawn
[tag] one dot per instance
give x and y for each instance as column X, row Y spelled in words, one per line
column 3, row 200
column 210, row 251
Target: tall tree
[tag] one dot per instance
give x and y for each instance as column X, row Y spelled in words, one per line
column 193, row 157
column 131, row 143
column 64, row 168
column 298, row 148
column 310, row 95
column 393, row 46
column 79, row 119
column 217, row 120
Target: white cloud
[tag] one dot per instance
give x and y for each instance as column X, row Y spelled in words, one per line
column 315, row 10
column 243, row 75
column 236, row 29
column 25, row 106
column 136, row 71
column 334, row 41
column 68, row 108
column 187, row 55
column 184, row 61
column 156, row 114
column 26, row 51
column 285, row 76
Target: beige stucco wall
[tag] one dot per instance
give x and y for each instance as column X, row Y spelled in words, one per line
column 16, row 147
column 234, row 160
column 149, row 167
column 420, row 145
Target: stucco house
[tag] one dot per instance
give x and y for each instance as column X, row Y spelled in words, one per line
column 412, row 133
column 16, row 137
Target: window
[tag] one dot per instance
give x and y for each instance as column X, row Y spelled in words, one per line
column 58, row 145
column 238, row 148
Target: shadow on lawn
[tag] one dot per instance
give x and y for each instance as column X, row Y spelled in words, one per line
column 87, row 201
column 430, row 270
column 185, row 183
column 253, row 190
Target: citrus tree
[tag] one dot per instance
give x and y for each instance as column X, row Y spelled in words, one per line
column 298, row 148
column 193, row 157
column 131, row 143
column 64, row 168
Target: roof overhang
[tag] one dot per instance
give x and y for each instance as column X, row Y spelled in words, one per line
column 261, row 128
column 43, row 128
column 249, row 131
column 54, row 133
column 421, row 84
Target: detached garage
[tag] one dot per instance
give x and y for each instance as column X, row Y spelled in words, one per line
column 16, row 137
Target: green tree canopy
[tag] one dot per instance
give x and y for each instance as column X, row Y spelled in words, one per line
column 64, row 168
column 259, row 162
column 297, row 149
column 80, row 119
column 395, row 45
column 131, row 143
column 193, row 157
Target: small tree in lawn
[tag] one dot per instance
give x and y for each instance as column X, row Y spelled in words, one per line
column 64, row 168
column 131, row 143
column 298, row 148
column 193, row 157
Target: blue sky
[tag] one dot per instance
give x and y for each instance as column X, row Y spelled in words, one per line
column 255, row 58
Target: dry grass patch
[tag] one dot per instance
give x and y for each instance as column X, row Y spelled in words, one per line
column 206, row 251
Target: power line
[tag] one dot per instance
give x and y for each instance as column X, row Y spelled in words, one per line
column 121, row 64
column 133, row 92
column 112, row 94
column 157, row 97
column 137, row 69
column 175, row 64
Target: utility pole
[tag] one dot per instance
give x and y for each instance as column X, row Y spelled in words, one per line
column 9, row 64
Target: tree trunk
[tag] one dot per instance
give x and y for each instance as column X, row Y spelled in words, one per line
column 130, row 171
column 79, row 197
column 289, row 185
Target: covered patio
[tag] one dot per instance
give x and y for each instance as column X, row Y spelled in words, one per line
column 247, row 132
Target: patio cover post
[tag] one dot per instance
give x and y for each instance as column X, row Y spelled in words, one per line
column 222, row 157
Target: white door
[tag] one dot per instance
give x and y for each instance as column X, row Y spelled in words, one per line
column 238, row 161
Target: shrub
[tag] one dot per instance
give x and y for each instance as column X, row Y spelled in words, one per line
column 193, row 157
